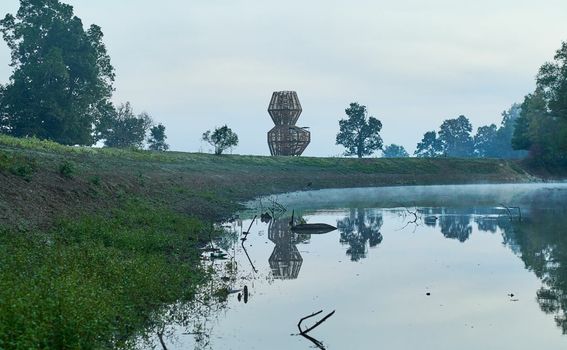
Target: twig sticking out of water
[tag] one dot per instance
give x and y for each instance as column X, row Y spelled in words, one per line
column 251, row 223
column 414, row 213
column 242, row 240
column 318, row 322
column 510, row 215
column 304, row 332
column 274, row 207
column 306, row 317
column 415, row 220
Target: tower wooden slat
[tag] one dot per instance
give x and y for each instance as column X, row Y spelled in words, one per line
column 285, row 138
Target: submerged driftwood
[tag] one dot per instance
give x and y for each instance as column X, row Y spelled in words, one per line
column 304, row 332
column 312, row 229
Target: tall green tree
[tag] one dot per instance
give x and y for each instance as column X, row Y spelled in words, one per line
column 456, row 138
column 430, row 146
column 496, row 142
column 506, row 133
column 157, row 138
column 62, row 78
column 537, row 130
column 359, row 134
column 542, row 125
column 221, row 139
column 124, row 129
column 486, row 142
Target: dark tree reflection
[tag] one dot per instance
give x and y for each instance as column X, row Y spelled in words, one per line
column 456, row 223
column 359, row 230
column 456, row 226
column 487, row 224
column 541, row 243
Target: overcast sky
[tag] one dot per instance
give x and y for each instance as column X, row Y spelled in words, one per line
column 194, row 65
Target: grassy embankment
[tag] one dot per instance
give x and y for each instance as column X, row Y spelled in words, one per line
column 93, row 242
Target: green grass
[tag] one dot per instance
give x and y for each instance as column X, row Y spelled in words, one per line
column 21, row 165
column 95, row 282
column 35, row 144
column 200, row 161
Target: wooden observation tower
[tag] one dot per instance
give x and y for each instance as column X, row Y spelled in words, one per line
column 286, row 139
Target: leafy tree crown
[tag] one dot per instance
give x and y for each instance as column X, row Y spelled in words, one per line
column 221, row 139
column 62, row 78
column 157, row 138
column 359, row 134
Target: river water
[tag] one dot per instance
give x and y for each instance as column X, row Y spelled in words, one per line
column 436, row 267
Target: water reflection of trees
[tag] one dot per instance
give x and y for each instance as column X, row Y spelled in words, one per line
column 360, row 229
column 458, row 223
column 456, row 227
column 539, row 240
column 541, row 243
column 489, row 224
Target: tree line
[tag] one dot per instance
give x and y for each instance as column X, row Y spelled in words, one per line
column 536, row 128
column 360, row 135
column 455, row 138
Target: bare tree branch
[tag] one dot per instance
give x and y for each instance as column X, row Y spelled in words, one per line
column 306, row 317
column 319, row 323
column 304, row 333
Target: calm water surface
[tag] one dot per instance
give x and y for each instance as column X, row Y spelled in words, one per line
column 442, row 267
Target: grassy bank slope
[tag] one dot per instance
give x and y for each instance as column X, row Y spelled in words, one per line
column 41, row 181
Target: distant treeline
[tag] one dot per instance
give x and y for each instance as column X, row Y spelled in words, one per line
column 536, row 128
column 455, row 139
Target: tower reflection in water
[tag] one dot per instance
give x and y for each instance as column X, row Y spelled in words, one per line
column 285, row 261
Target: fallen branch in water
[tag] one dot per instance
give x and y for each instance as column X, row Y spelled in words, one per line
column 317, row 343
column 251, row 223
column 306, row 317
column 304, row 332
column 248, row 256
column 318, row 323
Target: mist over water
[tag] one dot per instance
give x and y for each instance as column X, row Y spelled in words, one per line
column 527, row 195
column 434, row 267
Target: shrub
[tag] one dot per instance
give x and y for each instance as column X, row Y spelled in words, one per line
column 22, row 166
column 95, row 180
column 67, row 169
